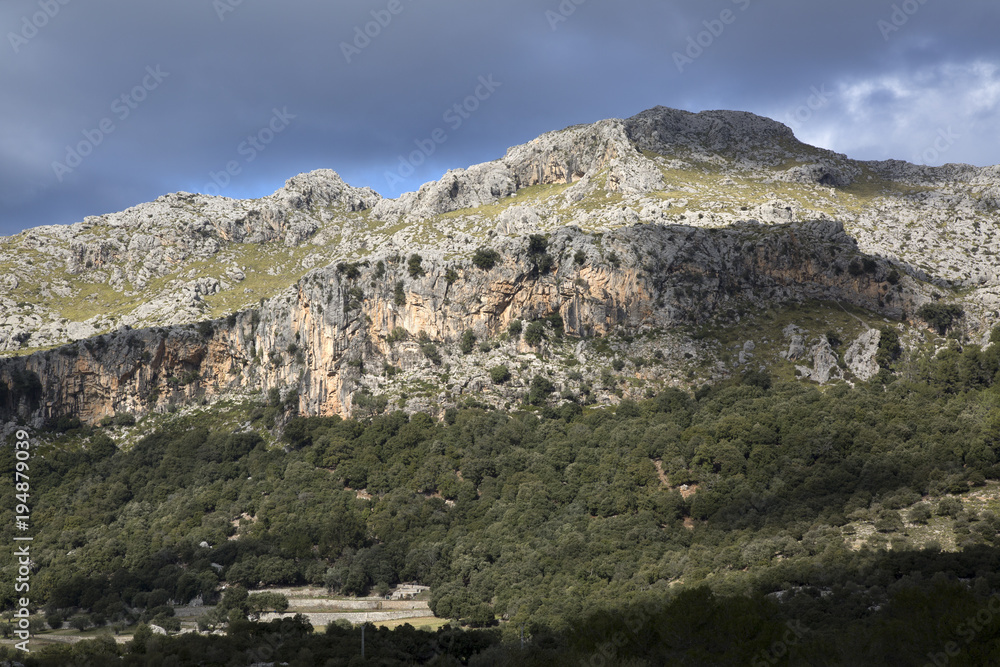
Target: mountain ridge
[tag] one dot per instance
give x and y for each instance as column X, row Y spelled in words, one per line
column 650, row 225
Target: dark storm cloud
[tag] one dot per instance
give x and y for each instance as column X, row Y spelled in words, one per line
column 870, row 79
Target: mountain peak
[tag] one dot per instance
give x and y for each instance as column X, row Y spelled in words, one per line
column 659, row 128
column 325, row 187
column 581, row 152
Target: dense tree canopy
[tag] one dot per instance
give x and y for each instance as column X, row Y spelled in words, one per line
column 553, row 517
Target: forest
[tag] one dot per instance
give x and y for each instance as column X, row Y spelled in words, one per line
column 713, row 527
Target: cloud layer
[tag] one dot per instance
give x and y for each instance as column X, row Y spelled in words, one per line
column 390, row 93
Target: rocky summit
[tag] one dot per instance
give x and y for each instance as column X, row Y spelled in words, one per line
column 592, row 264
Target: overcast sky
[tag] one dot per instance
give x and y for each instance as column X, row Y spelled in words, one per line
column 110, row 103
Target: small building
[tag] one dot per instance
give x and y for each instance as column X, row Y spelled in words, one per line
column 408, row 591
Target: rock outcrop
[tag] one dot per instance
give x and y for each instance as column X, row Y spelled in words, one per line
column 319, row 336
column 860, row 356
column 566, row 156
column 132, row 252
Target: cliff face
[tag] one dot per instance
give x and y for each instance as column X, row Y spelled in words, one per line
column 162, row 262
column 329, row 333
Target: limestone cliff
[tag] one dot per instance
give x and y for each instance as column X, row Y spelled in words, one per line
column 331, row 334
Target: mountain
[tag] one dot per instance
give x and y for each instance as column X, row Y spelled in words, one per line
column 593, row 263
column 794, row 461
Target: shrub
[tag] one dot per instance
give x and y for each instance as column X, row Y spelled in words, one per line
column 481, row 616
column 431, row 352
column 618, row 365
column 888, row 522
column 920, row 514
column 544, row 263
column 413, row 266
column 893, row 277
column 468, row 341
column 396, row 335
column 206, row 329
column 514, row 328
column 537, row 255
column 368, row 404
column 274, row 397
column 499, row 374
column 124, row 419
column 537, row 244
column 485, row 258
column 940, row 315
column 539, row 390
column 995, row 335
column 350, row 270
column 889, row 348
column 580, row 258
column 399, row 296
column 80, row 622
column 167, row 622
column 65, row 423
column 189, row 377
column 757, row 378
column 556, row 320
column 355, row 296
column 534, row 333
column 949, row 507
column 451, row 276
